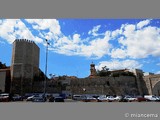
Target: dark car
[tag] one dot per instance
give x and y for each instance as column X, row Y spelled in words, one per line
column 123, row 99
column 58, row 99
column 30, row 98
column 38, row 99
column 51, row 99
column 17, row 97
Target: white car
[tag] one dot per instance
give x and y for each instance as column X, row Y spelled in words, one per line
column 130, row 99
column 117, row 98
column 110, row 98
column 152, row 97
column 77, row 97
column 4, row 97
column 88, row 99
column 102, row 98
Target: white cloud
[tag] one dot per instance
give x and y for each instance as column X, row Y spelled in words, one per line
column 115, row 64
column 11, row 29
column 47, row 28
column 43, row 24
column 131, row 42
column 95, row 48
column 94, row 30
column 143, row 23
column 138, row 43
column 76, row 38
column 116, row 33
column 118, row 53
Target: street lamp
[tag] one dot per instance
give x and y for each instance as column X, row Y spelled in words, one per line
column 45, row 81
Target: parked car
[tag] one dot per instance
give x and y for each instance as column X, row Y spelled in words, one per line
column 17, row 97
column 30, row 98
column 51, row 99
column 142, row 99
column 110, row 98
column 58, row 99
column 151, row 97
column 96, row 96
column 63, row 95
column 102, row 98
column 130, row 98
column 118, row 98
column 86, row 98
column 123, row 100
column 77, row 97
column 4, row 97
column 158, row 97
column 38, row 99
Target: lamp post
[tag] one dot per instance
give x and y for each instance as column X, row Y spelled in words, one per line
column 45, row 81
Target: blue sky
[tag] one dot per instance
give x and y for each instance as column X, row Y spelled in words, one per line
column 75, row 43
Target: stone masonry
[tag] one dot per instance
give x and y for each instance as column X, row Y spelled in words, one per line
column 24, row 66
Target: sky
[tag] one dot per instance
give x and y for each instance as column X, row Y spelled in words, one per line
column 76, row 43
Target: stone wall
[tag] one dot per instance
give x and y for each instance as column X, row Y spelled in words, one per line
column 153, row 84
column 105, row 85
column 2, row 80
column 141, row 84
column 5, row 80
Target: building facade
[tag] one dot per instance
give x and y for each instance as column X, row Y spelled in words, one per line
column 5, row 80
column 24, row 65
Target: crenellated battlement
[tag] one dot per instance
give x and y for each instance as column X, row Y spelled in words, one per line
column 24, row 40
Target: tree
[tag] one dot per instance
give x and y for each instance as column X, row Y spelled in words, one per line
column 52, row 76
column 104, row 72
column 117, row 74
column 2, row 65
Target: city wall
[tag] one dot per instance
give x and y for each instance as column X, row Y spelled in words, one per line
column 153, row 84
column 122, row 85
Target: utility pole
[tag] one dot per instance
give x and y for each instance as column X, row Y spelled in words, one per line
column 45, row 81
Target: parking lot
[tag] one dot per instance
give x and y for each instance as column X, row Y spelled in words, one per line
column 6, row 97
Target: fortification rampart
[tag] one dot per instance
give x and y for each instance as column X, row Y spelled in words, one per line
column 105, row 85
